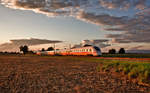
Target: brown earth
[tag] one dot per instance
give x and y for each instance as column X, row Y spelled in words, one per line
column 19, row 74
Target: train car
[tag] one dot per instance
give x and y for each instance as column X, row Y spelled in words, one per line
column 63, row 52
column 86, row 51
column 82, row 51
column 50, row 52
column 45, row 53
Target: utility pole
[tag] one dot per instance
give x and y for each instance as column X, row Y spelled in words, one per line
column 54, row 49
column 69, row 47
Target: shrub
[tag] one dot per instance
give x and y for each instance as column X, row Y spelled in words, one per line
column 141, row 78
column 147, row 74
column 126, row 70
column 98, row 68
column 117, row 64
column 133, row 73
column 117, row 70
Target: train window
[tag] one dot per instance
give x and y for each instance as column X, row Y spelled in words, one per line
column 90, row 50
column 87, row 50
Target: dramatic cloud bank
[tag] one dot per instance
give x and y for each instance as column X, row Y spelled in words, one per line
column 131, row 18
column 15, row 44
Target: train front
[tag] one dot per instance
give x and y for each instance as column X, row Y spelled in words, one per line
column 97, row 51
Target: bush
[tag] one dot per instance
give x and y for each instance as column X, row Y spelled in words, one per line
column 133, row 73
column 117, row 70
column 117, row 64
column 98, row 68
column 144, row 77
column 147, row 74
column 126, row 70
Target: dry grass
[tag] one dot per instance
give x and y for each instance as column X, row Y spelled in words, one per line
column 37, row 74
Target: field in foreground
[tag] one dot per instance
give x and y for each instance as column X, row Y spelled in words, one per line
column 43, row 74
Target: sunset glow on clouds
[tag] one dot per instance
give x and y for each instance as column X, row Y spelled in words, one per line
column 130, row 18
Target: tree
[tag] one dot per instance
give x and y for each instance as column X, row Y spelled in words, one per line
column 24, row 49
column 43, row 49
column 122, row 51
column 21, row 48
column 50, row 49
column 112, row 51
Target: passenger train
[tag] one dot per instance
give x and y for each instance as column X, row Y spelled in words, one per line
column 82, row 51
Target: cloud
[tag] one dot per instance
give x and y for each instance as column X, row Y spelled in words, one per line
column 112, row 4
column 72, row 7
column 103, row 19
column 124, row 4
column 141, row 4
column 135, row 30
column 129, row 47
column 97, row 42
column 105, row 13
column 132, row 29
column 15, row 44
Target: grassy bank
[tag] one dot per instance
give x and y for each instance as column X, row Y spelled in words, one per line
column 139, row 71
column 127, row 55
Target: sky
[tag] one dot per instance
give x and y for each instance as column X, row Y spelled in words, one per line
column 104, row 23
column 16, row 24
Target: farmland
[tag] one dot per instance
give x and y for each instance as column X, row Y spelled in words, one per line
column 67, row 74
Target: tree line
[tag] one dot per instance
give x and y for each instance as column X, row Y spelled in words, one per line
column 113, row 51
column 25, row 49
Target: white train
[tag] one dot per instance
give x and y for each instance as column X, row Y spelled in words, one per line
column 82, row 51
